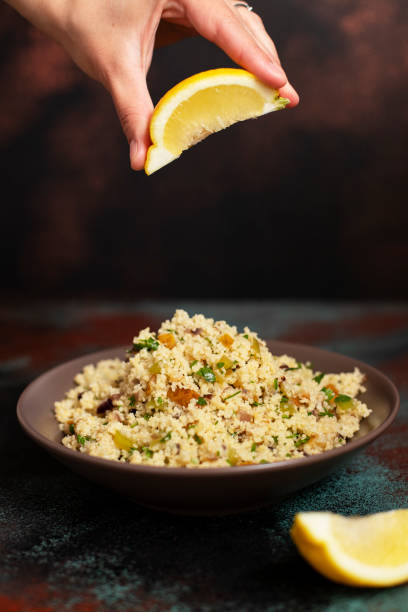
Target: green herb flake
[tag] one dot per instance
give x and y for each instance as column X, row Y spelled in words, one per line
column 206, row 373
column 220, row 365
column 302, row 441
column 132, row 401
column 326, row 413
column 275, row 439
column 328, row 393
column 159, row 401
column 288, row 455
column 198, row 439
column 246, row 336
column 309, row 412
column 105, row 423
column 253, row 447
column 318, row 378
column 147, row 416
column 263, row 461
column 150, row 344
column 147, row 451
column 286, row 416
column 225, row 399
column 72, row 429
column 193, row 363
column 202, row 401
column 216, row 422
column 284, row 399
column 82, row 439
column 275, row 384
column 191, row 425
column 255, row 404
column 166, row 437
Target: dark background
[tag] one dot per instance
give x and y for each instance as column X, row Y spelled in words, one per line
column 309, row 202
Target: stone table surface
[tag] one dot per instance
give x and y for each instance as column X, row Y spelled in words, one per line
column 67, row 544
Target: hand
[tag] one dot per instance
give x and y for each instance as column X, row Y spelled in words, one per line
column 113, row 42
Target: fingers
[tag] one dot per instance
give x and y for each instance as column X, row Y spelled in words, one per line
column 219, row 23
column 255, row 24
column 134, row 107
column 287, row 91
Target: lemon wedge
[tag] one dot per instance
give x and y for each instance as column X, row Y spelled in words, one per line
column 359, row 551
column 203, row 104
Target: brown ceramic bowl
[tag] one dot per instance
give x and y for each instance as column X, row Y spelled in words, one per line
column 210, row 490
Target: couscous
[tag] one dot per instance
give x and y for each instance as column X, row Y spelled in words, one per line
column 200, row 394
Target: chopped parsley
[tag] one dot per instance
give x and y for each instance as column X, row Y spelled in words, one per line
column 284, row 399
column 147, row 451
column 193, row 363
column 132, row 401
column 275, row 384
column 198, row 439
column 82, row 439
column 166, row 437
column 318, row 377
column 150, row 344
column 253, row 447
column 326, row 413
column 206, row 373
column 147, row 416
column 72, row 429
column 275, row 439
column 329, row 393
column 225, row 399
column 202, row 401
column 220, row 365
column 191, row 425
column 256, row 404
column 286, row 416
column 301, row 441
column 263, row 461
column 246, row 336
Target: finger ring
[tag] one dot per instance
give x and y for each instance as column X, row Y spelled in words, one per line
column 245, row 5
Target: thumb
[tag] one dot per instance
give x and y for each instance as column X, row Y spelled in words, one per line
column 134, row 107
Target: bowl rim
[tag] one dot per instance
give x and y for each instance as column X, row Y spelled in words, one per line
column 208, row 472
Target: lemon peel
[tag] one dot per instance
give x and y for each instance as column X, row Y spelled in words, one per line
column 358, row 551
column 203, row 104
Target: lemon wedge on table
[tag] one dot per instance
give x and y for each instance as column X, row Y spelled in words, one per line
column 203, row 104
column 358, row 551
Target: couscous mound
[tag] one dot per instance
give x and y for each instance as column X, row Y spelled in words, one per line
column 199, row 394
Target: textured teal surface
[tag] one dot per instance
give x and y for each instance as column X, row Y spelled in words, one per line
column 67, row 544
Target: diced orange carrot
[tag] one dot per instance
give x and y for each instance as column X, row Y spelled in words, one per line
column 226, row 340
column 181, row 396
column 168, row 340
